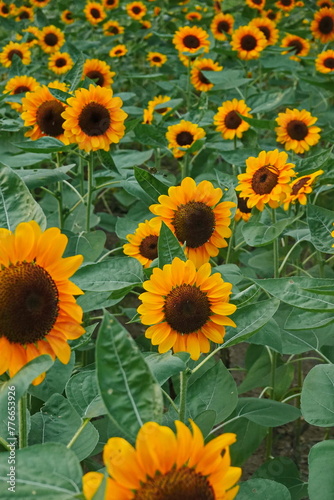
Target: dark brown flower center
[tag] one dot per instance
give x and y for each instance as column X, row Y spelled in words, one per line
column 325, row 4
column 326, row 25
column 110, row 2
column 161, row 110
column 329, row 62
column 28, row 303
column 14, row 51
column 203, row 78
column 60, row 62
column 296, row 45
column 271, row 15
column 194, row 223
column 94, row 119
column 232, row 120
column 242, row 205
column 96, row 76
column 136, row 10
column 156, row 59
column 114, row 30
column 191, row 42
column 299, row 184
column 184, row 138
column 149, row 247
column 20, row 89
column 69, row 16
column 186, row 309
column 248, row 42
column 223, row 26
column 297, row 130
column 5, row 9
column 51, row 39
column 95, row 13
column 49, row 119
column 286, row 3
column 257, row 2
column 265, row 179
column 266, row 31
column 24, row 15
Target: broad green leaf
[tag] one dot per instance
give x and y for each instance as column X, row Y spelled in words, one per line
column 267, row 101
column 269, row 335
column 43, row 145
column 107, row 160
column 257, row 123
column 60, row 94
column 298, row 319
column 321, row 477
column 205, row 421
column 299, row 341
column 265, row 411
column 82, row 392
column 317, row 399
column 150, row 135
column 150, row 184
column 125, row 226
column 34, row 178
column 164, row 366
column 229, row 272
column 23, row 160
column 90, row 245
column 320, row 221
column 260, row 489
column 249, row 437
column 226, row 79
column 257, row 234
column 168, row 246
column 92, row 301
column 74, row 76
column 126, row 159
column 129, row 391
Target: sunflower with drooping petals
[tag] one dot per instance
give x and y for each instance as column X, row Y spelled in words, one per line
column 136, row 10
column 324, row 62
column 256, row 4
column 51, row 39
column 99, row 71
column 167, row 465
column 297, row 130
column 286, row 5
column 60, row 62
column 322, row 26
column 199, row 81
column 20, row 49
column 94, row 12
column 38, row 313
column 197, row 217
column 228, row 121
column 156, row 59
column 222, row 25
column 94, row 118
column 249, row 42
column 298, row 46
column 118, row 51
column 183, row 135
column 267, row 27
column 112, row 28
column 67, row 16
column 243, row 212
column 266, row 180
column 300, row 187
column 110, row 4
column 20, row 85
column 191, row 39
column 143, row 244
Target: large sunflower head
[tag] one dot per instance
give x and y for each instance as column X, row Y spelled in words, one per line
column 60, row 62
column 266, row 180
column 248, row 41
column 197, row 218
column 322, row 26
column 20, row 85
column 267, row 27
column 222, row 25
column 20, row 49
column 300, row 187
column 99, row 71
column 297, row 46
column 191, row 39
column 94, row 12
column 324, row 62
column 286, row 5
column 94, row 118
column 67, row 16
column 143, row 244
column 51, row 39
column 324, row 3
column 228, row 121
column 182, row 136
column 256, row 4
column 38, row 313
column 136, row 10
column 112, row 28
column 156, row 59
column 199, row 81
column 296, row 130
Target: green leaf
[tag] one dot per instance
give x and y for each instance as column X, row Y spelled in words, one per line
column 47, row 472
column 298, row 319
column 90, row 245
column 320, row 221
column 60, row 94
column 321, row 477
column 266, row 412
column 257, row 123
column 260, row 489
column 43, row 145
column 107, row 160
column 150, row 135
column 257, row 234
column 226, row 79
column 129, row 391
column 249, row 437
column 150, row 184
column 82, row 392
column 205, row 421
column 126, row 159
column 164, row 366
column 317, row 399
column 34, row 178
column 168, row 246
column 16, row 203
column 74, row 76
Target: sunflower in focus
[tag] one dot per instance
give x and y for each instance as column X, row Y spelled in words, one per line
column 183, row 135
column 267, row 27
column 118, row 51
column 67, row 17
column 94, row 118
column 38, row 313
column 296, row 130
column 256, row 4
column 248, row 41
column 60, row 62
column 94, row 12
column 191, row 39
column 20, row 49
column 6, row 9
column 136, row 10
column 99, row 71
column 20, row 85
column 196, row 216
column 156, row 59
column 143, row 244
column 112, row 28
column 324, row 62
column 51, row 39
column 322, row 26
column 110, row 4
column 243, row 211
column 298, row 46
column 266, row 180
column 286, row 5
column 300, row 187
column 171, row 464
column 228, row 121
column 199, row 81
column 23, row 13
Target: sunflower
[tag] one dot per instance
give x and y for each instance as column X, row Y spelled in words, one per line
column 42, row 111
column 266, row 179
column 67, row 17
column 20, row 49
column 298, row 46
column 156, row 11
column 136, row 10
column 118, row 51
column 248, row 41
column 194, row 16
column 23, row 13
column 6, row 9
column 243, row 211
column 20, row 85
column 38, row 313
column 99, row 71
column 143, row 244
column 157, row 101
column 112, row 28
column 183, row 135
column 166, row 464
column 300, row 187
column 267, row 27
column 189, row 60
column 199, row 81
column 147, row 116
column 273, row 15
column 51, row 39
column 110, row 4
column 296, row 130
column 217, row 5
column 39, row 3
column 256, row 4
column 191, row 39
column 222, row 25
column 197, row 218
column 94, row 12
column 324, row 62
column 60, row 62
column 322, row 26
column 325, row 3
column 228, row 121
column 94, row 118
column 156, row 59
column 286, row 5
column 33, row 35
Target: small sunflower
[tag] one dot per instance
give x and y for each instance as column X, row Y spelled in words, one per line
column 99, row 71
column 266, row 180
column 267, row 27
column 191, row 39
column 296, row 130
column 23, row 13
column 228, row 121
column 67, row 16
column 157, row 101
column 167, row 465
column 20, row 49
column 38, row 313
column 183, row 135
column 94, row 12
column 286, row 5
column 112, row 28
column 300, row 187
column 6, row 9
column 51, row 39
column 325, row 3
column 156, row 59
column 298, row 46
column 256, row 4
column 194, row 16
column 110, row 4
column 145, row 25
column 196, row 216
column 33, row 35
column 94, row 118
column 118, row 51
column 273, row 15
column 147, row 116
column 243, row 211
column 136, row 10
column 20, row 85
column 60, row 62
column 143, row 244
column 322, row 26
column 39, row 3
column 199, row 81
column 222, row 25
column 248, row 41
column 324, row 62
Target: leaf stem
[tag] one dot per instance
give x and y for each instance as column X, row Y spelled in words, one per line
column 23, row 425
column 85, row 421
column 89, row 189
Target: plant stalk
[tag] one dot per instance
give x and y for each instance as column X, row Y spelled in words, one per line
column 23, row 424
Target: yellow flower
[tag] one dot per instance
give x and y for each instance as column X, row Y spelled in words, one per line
column 267, row 27
column 24, row 13
column 99, row 71
column 110, row 4
column 296, row 130
column 228, row 121
column 243, row 211
column 191, row 39
column 51, row 39
column 143, row 244
column 256, row 4
column 60, row 62
column 20, row 49
column 285, row 5
column 183, row 135
column 67, row 16
column 324, row 62
column 38, row 313
column 20, row 85
column 222, row 25
column 322, row 26
column 6, row 9
column 194, row 16
column 136, row 10
column 300, row 187
column 94, row 12
column 272, row 15
column 40, row 3
column 248, row 41
column 112, row 28
column 298, row 46
column 156, row 59
column 199, row 81
column 118, row 51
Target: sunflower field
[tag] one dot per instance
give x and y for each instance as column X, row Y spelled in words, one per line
column 167, row 250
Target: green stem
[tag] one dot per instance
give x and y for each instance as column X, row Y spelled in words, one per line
column 275, row 248
column 183, row 395
column 79, row 431
column 90, row 167
column 60, row 196
column 184, row 166
column 167, row 396
column 188, row 85
column 4, row 444
column 230, row 243
column 23, row 425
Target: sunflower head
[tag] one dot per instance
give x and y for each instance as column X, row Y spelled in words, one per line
column 222, row 25
column 324, row 62
column 191, row 39
column 118, row 51
column 228, row 120
column 297, row 46
column 60, row 62
column 20, row 85
column 67, row 16
column 286, row 5
column 143, row 244
column 110, row 4
column 301, row 187
column 51, row 39
column 256, row 4
column 112, row 28
column 322, row 26
column 156, row 59
column 136, row 10
column 99, row 71
column 197, row 78
column 182, row 136
column 94, row 12
column 267, row 27
column 248, row 41
column 296, row 130
column 14, row 48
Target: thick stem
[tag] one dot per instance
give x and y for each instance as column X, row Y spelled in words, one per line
column 90, row 167
column 23, row 424
column 183, row 395
column 230, row 243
